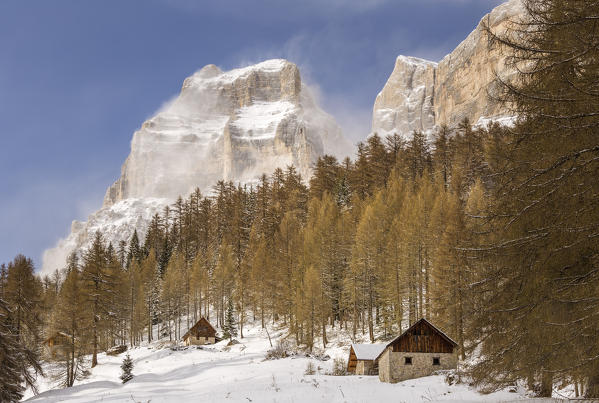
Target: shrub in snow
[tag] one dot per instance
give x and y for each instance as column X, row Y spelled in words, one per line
column 281, row 350
column 319, row 355
column 116, row 350
column 310, row 370
column 339, row 367
column 126, row 369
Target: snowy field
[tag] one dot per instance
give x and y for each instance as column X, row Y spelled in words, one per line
column 240, row 373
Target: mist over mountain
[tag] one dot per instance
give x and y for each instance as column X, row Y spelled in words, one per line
column 232, row 126
column 240, row 124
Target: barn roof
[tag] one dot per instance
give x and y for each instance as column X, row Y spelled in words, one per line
column 408, row 330
column 56, row 334
column 202, row 319
column 368, row 351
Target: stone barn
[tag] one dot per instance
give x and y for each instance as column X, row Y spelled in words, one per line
column 362, row 358
column 200, row 333
column 419, row 351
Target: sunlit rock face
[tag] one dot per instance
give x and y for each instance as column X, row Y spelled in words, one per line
column 406, row 103
column 233, row 125
column 421, row 95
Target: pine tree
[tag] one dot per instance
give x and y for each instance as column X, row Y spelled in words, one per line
column 21, row 293
column 543, row 281
column 11, row 379
column 126, row 369
column 72, row 318
column 17, row 361
column 97, row 283
column 230, row 326
column 312, row 314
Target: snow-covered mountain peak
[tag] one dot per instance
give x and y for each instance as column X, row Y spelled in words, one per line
column 233, row 125
column 422, row 95
column 413, row 61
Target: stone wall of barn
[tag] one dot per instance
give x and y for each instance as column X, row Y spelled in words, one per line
column 393, row 367
column 364, row 367
column 193, row 341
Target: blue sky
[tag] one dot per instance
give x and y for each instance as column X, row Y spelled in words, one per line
column 78, row 77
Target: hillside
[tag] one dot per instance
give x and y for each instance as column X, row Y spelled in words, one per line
column 241, row 374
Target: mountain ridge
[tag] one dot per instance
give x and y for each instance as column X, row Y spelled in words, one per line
column 224, row 125
column 422, row 95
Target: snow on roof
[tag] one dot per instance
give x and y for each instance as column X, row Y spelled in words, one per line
column 368, row 351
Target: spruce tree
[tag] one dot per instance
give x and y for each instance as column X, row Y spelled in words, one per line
column 230, row 326
column 126, row 369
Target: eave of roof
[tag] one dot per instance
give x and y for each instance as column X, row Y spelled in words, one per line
column 368, row 352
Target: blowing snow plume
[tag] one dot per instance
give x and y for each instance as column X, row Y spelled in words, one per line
column 233, row 125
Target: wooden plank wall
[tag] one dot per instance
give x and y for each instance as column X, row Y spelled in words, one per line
column 352, row 362
column 422, row 339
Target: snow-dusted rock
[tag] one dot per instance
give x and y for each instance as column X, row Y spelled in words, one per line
column 406, row 102
column 420, row 95
column 233, row 125
column 117, row 222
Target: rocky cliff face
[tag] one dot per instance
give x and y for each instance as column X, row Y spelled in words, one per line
column 420, row 94
column 233, row 125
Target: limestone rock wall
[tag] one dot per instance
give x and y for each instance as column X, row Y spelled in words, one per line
column 233, row 125
column 406, row 103
column 421, row 95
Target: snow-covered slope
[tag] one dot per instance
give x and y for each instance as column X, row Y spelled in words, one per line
column 241, row 374
column 233, row 125
column 116, row 222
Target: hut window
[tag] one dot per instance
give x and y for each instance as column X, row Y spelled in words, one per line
column 436, row 361
column 408, row 361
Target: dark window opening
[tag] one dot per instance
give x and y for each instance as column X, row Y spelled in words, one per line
column 408, row 360
column 436, row 361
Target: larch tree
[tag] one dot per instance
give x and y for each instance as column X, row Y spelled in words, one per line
column 544, row 208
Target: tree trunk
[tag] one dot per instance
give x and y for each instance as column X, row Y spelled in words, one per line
column 546, row 384
column 592, row 390
column 95, row 333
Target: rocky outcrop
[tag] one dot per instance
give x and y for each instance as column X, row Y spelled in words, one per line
column 233, row 125
column 406, row 103
column 420, row 94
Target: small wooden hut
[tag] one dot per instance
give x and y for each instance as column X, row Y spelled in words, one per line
column 362, row 358
column 57, row 345
column 200, row 333
column 419, row 351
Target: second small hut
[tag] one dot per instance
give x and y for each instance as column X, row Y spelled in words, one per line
column 200, row 333
column 362, row 358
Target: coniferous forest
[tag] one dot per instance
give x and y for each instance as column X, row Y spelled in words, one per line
column 490, row 232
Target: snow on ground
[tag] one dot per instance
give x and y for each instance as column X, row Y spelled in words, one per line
column 240, row 373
